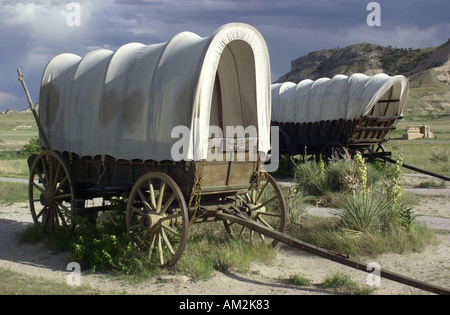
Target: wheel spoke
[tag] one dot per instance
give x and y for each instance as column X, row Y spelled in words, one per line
column 145, row 201
column 240, row 197
column 152, row 243
column 261, row 192
column 252, row 196
column 160, row 197
column 41, row 179
column 62, row 183
column 264, row 203
column 152, row 231
column 160, row 249
column 55, row 179
column 66, row 210
column 44, row 209
column 60, row 215
column 50, row 175
column 134, row 227
column 168, row 203
column 265, row 223
column 242, row 231
column 38, row 187
column 152, row 193
column 271, row 214
column 262, row 236
column 170, row 217
column 137, row 210
column 47, row 215
column 171, row 230
column 55, row 216
column 167, row 242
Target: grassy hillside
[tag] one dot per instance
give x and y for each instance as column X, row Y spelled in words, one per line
column 428, row 95
column 16, row 130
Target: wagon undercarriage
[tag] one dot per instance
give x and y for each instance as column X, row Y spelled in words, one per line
column 338, row 138
column 158, row 216
column 163, row 199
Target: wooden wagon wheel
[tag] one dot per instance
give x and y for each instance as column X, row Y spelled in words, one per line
column 377, row 148
column 157, row 218
column 51, row 192
column 335, row 150
column 265, row 205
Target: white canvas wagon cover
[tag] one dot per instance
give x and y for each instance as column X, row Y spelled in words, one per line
column 126, row 103
column 341, row 97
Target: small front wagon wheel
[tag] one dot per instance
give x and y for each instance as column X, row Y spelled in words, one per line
column 265, row 205
column 157, row 218
column 51, row 192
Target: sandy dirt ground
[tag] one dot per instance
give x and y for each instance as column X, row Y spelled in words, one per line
column 431, row 265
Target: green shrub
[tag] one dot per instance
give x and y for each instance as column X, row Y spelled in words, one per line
column 439, row 156
column 32, row 147
column 343, row 282
column 299, row 280
column 106, row 246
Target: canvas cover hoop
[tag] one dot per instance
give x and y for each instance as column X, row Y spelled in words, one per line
column 126, row 103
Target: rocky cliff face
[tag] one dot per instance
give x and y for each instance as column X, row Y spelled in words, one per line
column 427, row 69
column 365, row 58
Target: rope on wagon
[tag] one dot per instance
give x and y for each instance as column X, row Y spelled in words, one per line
column 196, row 192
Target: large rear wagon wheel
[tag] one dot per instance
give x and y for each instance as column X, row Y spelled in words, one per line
column 265, row 205
column 51, row 192
column 157, row 218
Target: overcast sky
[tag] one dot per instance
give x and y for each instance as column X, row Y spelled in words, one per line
column 33, row 32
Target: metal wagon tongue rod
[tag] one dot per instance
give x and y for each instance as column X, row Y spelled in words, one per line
column 339, row 258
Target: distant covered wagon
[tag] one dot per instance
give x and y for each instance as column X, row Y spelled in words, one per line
column 338, row 115
column 113, row 122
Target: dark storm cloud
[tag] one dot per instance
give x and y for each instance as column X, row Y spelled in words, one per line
column 32, row 32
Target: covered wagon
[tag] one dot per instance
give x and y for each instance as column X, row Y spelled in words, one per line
column 137, row 122
column 340, row 115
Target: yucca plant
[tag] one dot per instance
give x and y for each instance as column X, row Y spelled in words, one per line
column 311, row 179
column 364, row 212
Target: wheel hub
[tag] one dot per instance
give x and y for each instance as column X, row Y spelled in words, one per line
column 251, row 209
column 47, row 198
column 149, row 220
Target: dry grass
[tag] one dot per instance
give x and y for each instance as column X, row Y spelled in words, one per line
column 14, row 168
